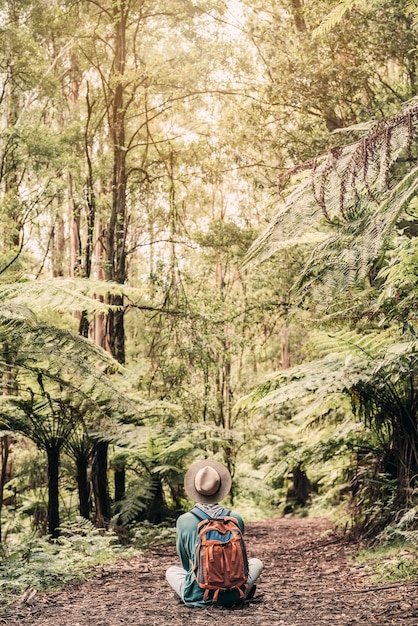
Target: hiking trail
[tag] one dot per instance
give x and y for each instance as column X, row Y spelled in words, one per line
column 308, row 580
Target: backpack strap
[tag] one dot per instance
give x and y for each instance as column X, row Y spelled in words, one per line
column 201, row 515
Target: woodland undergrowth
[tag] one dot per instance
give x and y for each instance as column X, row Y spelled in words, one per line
column 40, row 563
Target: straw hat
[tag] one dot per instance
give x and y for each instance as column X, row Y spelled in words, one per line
column 207, row 481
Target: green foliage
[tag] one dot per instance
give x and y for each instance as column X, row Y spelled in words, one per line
column 393, row 554
column 214, row 104
column 145, row 534
column 66, row 295
column 42, row 355
column 37, row 563
column 135, row 503
column 346, row 199
column 394, row 563
column 316, row 427
column 337, row 13
column 399, row 293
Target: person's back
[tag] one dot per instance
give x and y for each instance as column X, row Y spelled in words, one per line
column 207, row 483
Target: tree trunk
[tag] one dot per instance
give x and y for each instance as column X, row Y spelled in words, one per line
column 118, row 223
column 84, row 492
column 10, row 166
column 115, row 330
column 75, row 227
column 58, row 248
column 100, row 486
column 155, row 512
column 297, row 10
column 116, row 233
column 53, row 491
column 4, row 449
column 8, row 381
column 98, row 327
column 120, row 483
column 285, row 347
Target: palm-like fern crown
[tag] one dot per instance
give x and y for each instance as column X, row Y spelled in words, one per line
column 347, row 204
column 44, row 359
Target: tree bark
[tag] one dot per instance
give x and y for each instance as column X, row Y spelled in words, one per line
column 53, row 454
column 83, row 486
column 4, row 449
column 285, row 347
column 155, row 512
column 118, row 223
column 120, row 480
column 58, row 249
column 100, row 485
column 297, row 10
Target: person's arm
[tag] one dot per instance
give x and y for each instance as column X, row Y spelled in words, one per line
column 239, row 519
column 186, row 537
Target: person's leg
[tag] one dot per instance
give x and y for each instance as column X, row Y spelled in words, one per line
column 175, row 577
column 255, row 567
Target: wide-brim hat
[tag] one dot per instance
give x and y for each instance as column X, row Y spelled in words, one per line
column 207, row 481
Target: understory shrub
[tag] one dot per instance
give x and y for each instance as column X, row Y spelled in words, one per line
column 39, row 563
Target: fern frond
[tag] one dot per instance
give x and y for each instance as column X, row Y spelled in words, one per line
column 66, row 294
column 412, row 9
column 347, row 342
column 136, row 500
column 334, row 17
column 351, row 201
column 307, row 388
column 308, row 382
column 73, row 363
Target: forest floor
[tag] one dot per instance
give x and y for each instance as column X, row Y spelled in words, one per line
column 309, row 579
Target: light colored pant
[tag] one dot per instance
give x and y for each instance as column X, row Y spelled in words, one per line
column 175, row 576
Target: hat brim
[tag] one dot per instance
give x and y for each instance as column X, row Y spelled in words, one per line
column 224, row 488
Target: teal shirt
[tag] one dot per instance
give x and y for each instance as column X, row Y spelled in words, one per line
column 186, row 539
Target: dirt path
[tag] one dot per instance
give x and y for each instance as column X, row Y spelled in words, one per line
column 307, row 581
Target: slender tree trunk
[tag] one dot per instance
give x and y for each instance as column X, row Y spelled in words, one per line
column 100, row 485
column 9, row 385
column 98, row 327
column 115, row 269
column 75, row 238
column 118, row 223
column 76, row 269
column 53, row 454
column 120, row 480
column 155, row 512
column 58, row 249
column 285, row 347
column 90, row 197
column 82, row 463
column 10, row 166
column 297, row 10
column 4, row 457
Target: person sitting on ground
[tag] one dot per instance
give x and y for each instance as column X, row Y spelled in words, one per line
column 206, row 482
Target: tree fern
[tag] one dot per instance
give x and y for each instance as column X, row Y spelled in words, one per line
column 65, row 294
column 136, row 501
column 350, row 201
column 335, row 16
column 37, row 351
column 349, row 358
column 380, row 380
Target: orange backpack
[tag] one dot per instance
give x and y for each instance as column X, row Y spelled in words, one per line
column 221, row 562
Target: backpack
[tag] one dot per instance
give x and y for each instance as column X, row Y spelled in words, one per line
column 221, row 562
